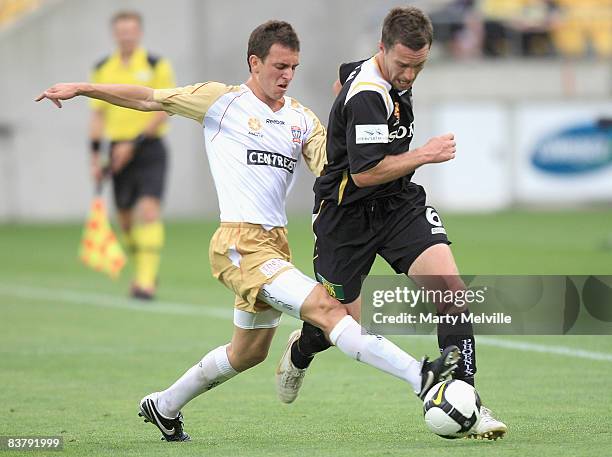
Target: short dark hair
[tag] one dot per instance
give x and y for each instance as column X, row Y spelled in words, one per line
column 124, row 15
column 269, row 33
column 408, row 26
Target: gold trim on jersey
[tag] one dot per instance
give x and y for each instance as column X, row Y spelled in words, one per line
column 314, row 216
column 314, row 232
column 192, row 101
column 366, row 83
column 342, row 186
column 314, row 148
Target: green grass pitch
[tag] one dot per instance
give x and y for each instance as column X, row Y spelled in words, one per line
column 76, row 356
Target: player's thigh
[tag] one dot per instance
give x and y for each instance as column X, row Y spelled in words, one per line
column 435, row 269
column 435, row 260
column 249, row 347
column 345, row 249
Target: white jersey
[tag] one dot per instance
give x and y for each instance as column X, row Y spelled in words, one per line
column 253, row 151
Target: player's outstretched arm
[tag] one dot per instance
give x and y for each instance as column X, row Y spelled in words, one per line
column 436, row 150
column 135, row 97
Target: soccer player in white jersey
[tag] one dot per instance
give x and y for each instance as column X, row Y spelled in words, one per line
column 255, row 135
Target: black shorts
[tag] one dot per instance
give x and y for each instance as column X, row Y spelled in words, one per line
column 144, row 175
column 398, row 228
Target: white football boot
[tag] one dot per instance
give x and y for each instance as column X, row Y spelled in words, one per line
column 488, row 427
column 289, row 378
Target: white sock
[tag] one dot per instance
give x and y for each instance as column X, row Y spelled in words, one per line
column 211, row 371
column 375, row 351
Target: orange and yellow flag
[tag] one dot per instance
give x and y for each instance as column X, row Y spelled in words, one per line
column 99, row 248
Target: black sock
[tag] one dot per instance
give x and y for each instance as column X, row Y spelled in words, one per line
column 469, row 380
column 311, row 341
column 462, row 336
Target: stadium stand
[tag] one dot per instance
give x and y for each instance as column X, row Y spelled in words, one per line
column 13, row 10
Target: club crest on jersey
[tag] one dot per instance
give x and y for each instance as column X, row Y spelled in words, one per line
column 296, row 133
column 396, row 111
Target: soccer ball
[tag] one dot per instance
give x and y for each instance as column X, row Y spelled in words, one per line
column 451, row 409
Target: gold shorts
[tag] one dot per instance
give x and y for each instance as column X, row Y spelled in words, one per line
column 246, row 256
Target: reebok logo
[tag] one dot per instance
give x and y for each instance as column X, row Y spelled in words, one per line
column 271, row 159
column 275, row 121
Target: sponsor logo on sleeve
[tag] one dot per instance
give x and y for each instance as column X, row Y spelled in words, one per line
column 371, row 133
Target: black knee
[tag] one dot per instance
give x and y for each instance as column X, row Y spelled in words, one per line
column 311, row 341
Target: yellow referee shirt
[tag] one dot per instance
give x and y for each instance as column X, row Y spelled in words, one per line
column 143, row 69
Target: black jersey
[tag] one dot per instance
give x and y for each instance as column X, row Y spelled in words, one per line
column 368, row 121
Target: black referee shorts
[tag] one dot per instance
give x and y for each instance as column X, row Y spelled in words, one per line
column 398, row 228
column 144, row 175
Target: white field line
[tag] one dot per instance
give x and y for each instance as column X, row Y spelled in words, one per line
column 111, row 301
column 544, row 348
column 77, row 297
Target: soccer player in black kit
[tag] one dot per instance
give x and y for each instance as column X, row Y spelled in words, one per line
column 366, row 203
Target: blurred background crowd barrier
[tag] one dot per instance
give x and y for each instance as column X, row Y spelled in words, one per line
column 526, row 85
column 526, row 28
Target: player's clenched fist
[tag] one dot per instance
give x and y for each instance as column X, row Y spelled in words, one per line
column 439, row 149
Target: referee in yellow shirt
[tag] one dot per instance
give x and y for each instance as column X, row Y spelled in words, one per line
column 138, row 155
